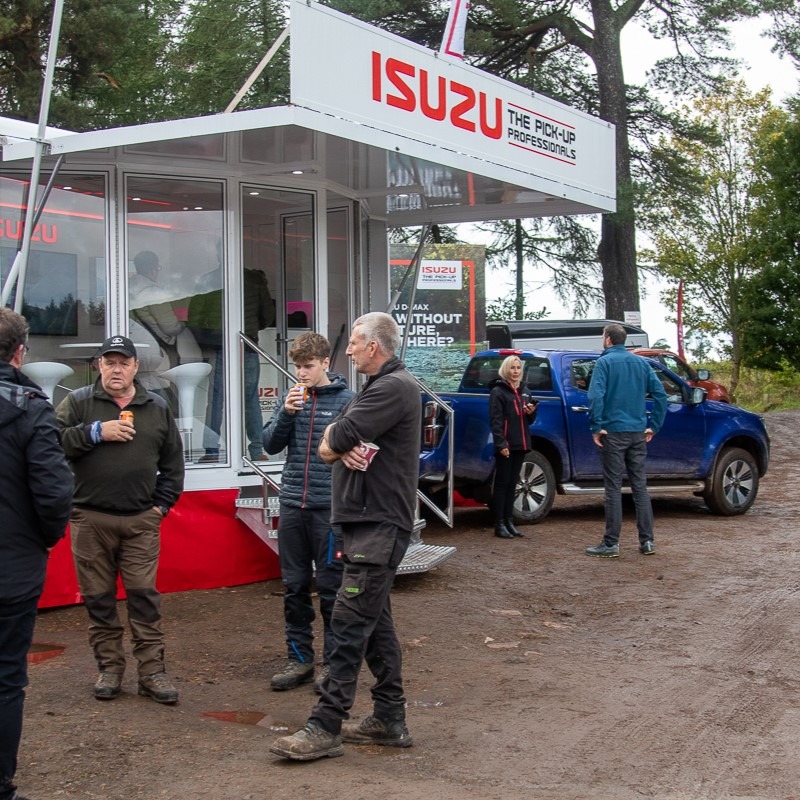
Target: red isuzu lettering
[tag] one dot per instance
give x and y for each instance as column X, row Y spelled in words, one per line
column 412, row 89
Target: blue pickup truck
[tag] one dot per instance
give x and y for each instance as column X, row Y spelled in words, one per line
column 715, row 450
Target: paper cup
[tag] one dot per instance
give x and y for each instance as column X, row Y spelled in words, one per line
column 368, row 450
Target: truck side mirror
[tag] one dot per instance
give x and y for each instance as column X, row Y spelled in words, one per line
column 696, row 395
column 703, row 375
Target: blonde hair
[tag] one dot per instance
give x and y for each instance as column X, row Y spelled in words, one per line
column 504, row 367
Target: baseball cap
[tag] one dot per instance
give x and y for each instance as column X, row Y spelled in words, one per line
column 118, row 344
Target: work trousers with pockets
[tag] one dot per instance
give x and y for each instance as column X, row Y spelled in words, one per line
column 625, row 453
column 363, row 626
column 103, row 547
column 306, row 541
column 17, row 619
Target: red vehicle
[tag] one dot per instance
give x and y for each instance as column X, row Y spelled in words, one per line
column 694, row 377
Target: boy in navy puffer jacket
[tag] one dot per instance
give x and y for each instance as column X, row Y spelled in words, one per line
column 305, row 537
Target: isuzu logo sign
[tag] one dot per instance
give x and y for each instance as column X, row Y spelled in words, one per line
column 352, row 71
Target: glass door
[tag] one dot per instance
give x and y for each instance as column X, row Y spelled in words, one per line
column 278, row 288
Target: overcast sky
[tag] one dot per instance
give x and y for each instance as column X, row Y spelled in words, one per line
column 764, row 69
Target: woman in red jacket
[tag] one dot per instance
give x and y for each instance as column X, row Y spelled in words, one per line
column 510, row 415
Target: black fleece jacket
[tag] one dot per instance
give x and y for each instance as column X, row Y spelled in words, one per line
column 124, row 478
column 387, row 412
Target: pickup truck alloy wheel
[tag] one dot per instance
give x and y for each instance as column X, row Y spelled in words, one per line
column 734, row 485
column 536, row 490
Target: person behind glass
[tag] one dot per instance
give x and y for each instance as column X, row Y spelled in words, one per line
column 618, row 391
column 305, row 537
column 35, row 500
column 154, row 324
column 374, row 502
column 128, row 474
column 206, row 323
column 510, row 416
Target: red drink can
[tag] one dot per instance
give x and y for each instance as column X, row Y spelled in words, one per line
column 127, row 416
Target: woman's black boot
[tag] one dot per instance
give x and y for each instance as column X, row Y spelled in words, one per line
column 501, row 531
column 511, row 528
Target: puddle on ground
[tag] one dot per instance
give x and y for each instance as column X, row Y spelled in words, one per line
column 249, row 718
column 41, row 651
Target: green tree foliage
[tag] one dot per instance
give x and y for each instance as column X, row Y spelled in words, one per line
column 571, row 50
column 704, row 228
column 560, row 247
column 110, row 67
column 221, row 42
column 772, row 300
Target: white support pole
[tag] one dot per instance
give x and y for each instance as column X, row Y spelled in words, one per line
column 20, row 266
column 257, row 71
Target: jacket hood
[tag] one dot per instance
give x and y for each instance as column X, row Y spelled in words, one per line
column 14, row 395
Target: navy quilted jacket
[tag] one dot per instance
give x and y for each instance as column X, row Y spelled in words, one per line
column 306, row 481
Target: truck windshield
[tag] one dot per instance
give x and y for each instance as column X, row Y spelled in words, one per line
column 482, row 370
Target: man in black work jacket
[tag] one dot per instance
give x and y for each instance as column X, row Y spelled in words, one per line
column 374, row 502
column 35, row 499
column 128, row 474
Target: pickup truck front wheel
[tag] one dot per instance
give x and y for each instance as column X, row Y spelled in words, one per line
column 734, row 484
column 536, row 490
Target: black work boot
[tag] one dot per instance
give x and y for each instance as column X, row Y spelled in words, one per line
column 511, row 528
column 501, row 530
column 371, row 730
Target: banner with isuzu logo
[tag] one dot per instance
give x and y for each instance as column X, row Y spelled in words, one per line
column 346, row 68
column 447, row 322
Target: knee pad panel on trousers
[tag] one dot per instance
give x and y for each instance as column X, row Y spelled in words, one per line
column 144, row 605
column 102, row 608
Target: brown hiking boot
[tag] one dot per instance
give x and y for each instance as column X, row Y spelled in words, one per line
column 158, row 687
column 309, row 743
column 292, row 675
column 108, row 685
column 371, row 730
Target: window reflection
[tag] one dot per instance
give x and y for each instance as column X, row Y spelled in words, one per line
column 176, row 303
column 64, row 297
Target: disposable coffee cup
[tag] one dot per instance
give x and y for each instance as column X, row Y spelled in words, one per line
column 368, row 450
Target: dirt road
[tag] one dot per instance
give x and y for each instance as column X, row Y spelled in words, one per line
column 532, row 671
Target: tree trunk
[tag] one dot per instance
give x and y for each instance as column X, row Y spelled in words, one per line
column 617, row 249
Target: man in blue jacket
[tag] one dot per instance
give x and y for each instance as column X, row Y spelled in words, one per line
column 35, row 501
column 620, row 385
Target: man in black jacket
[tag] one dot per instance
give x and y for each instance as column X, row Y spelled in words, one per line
column 35, row 500
column 374, row 502
column 128, row 474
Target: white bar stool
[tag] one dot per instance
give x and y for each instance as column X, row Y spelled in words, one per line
column 187, row 377
column 48, row 374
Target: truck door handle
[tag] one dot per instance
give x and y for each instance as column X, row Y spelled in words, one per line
column 579, row 408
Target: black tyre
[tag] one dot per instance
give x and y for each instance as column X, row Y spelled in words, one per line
column 734, row 484
column 536, row 490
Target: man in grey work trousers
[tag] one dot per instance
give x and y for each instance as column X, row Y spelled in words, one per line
column 621, row 383
column 374, row 503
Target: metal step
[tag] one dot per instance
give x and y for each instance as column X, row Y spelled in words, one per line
column 258, row 502
column 421, row 557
